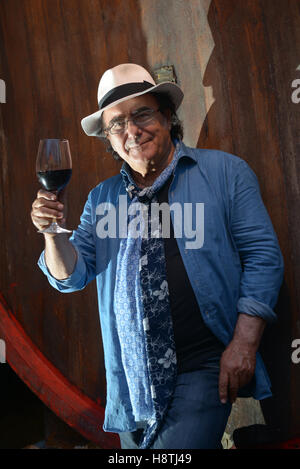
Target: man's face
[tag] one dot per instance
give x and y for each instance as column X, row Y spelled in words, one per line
column 141, row 146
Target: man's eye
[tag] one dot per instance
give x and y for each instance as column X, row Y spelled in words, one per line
column 118, row 125
column 143, row 115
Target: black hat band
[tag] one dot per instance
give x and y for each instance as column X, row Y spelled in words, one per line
column 122, row 91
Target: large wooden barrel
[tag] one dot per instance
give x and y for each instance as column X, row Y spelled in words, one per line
column 237, row 63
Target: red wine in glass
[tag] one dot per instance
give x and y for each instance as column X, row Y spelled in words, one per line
column 54, row 180
column 54, row 170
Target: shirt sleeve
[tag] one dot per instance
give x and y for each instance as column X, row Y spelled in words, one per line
column 257, row 244
column 85, row 246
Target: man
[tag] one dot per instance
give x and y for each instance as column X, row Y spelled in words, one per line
column 183, row 305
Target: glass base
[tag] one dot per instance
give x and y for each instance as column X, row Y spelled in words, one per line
column 54, row 228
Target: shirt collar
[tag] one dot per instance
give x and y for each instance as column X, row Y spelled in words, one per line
column 188, row 152
column 183, row 151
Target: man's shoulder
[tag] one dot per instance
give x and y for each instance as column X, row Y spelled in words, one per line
column 212, row 155
column 106, row 189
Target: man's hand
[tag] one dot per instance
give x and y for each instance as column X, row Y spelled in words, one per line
column 236, row 369
column 238, row 361
column 46, row 207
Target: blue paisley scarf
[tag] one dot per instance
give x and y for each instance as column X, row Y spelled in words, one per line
column 142, row 309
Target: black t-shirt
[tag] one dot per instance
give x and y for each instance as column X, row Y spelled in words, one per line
column 195, row 343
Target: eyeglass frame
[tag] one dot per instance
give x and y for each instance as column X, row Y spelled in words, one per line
column 107, row 130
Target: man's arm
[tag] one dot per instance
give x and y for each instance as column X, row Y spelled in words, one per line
column 238, row 360
column 60, row 255
column 68, row 263
column 261, row 278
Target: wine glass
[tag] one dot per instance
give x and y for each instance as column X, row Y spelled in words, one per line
column 54, row 170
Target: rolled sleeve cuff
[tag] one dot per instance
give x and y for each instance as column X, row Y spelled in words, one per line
column 75, row 281
column 256, row 308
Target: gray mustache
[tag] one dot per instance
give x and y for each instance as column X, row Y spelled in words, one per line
column 131, row 144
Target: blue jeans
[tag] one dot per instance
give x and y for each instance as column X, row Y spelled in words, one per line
column 196, row 418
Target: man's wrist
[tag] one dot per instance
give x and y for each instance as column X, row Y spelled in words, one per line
column 248, row 331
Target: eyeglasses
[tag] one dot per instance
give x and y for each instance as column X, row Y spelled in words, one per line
column 141, row 118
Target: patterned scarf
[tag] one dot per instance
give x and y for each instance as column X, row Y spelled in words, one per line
column 141, row 305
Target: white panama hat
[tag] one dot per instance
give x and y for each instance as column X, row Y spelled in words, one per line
column 126, row 81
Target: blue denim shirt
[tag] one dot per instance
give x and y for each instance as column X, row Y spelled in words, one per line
column 238, row 268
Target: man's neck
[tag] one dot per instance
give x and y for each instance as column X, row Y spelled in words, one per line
column 147, row 178
column 144, row 181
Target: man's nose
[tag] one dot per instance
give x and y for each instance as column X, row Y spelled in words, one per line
column 132, row 129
